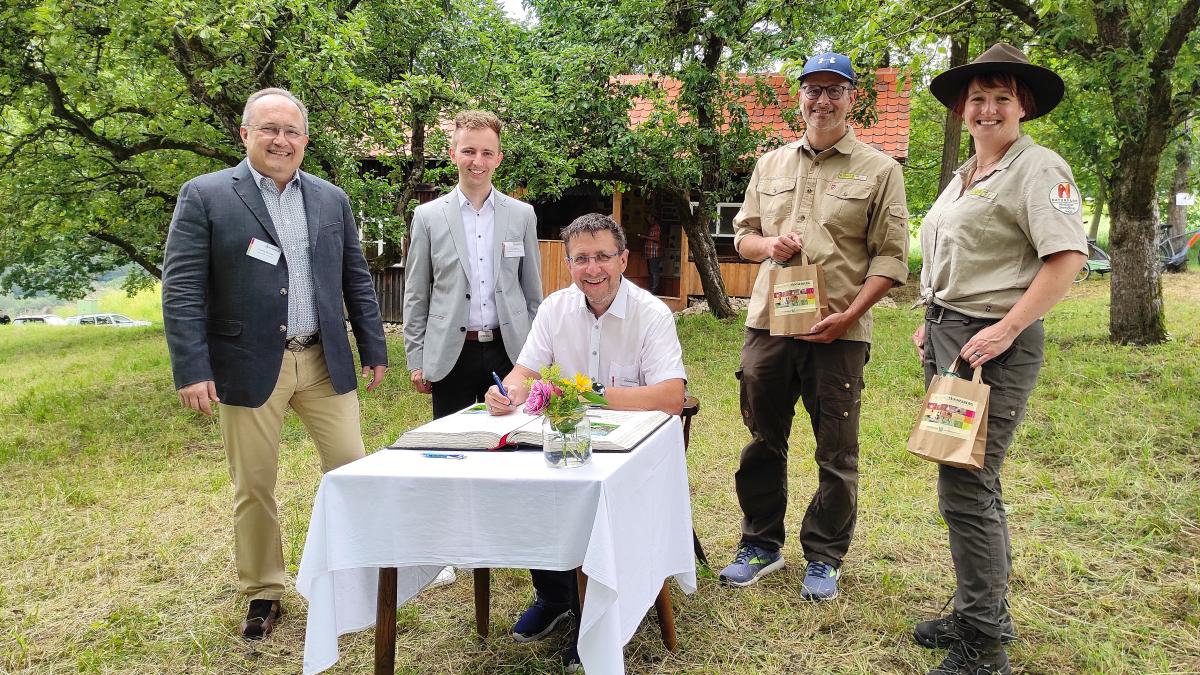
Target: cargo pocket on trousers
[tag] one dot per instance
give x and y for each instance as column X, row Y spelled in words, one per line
column 840, row 402
column 1005, row 414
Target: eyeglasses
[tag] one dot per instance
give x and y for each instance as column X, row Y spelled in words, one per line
column 272, row 131
column 812, row 92
column 583, row 260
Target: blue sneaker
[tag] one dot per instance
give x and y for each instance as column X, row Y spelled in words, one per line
column 749, row 564
column 820, row 581
column 538, row 621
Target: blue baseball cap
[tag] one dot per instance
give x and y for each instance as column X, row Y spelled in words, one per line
column 830, row 62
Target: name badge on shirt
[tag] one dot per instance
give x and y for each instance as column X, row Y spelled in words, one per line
column 265, row 252
column 851, row 176
column 514, row 249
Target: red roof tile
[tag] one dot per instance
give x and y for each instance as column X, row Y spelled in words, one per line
column 889, row 134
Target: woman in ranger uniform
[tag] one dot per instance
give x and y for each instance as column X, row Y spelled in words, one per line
column 1001, row 246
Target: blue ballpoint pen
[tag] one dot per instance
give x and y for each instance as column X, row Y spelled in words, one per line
column 443, row 455
column 499, row 385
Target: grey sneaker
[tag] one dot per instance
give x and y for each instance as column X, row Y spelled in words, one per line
column 944, row 632
column 820, row 581
column 750, row 564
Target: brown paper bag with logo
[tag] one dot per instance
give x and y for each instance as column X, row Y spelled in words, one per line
column 952, row 426
column 798, row 297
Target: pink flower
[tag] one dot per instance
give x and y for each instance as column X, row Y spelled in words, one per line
column 539, row 397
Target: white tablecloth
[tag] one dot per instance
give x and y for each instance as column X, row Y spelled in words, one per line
column 626, row 518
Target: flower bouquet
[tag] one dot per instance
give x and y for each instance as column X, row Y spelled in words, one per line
column 562, row 402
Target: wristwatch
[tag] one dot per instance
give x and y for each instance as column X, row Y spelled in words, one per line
column 598, row 388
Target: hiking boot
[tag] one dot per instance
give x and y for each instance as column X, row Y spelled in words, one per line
column 751, row 563
column 820, row 581
column 538, row 621
column 974, row 654
column 942, row 633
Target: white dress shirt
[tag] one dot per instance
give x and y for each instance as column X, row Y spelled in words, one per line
column 479, row 227
column 632, row 344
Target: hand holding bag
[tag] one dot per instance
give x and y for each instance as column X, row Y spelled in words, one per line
column 952, row 426
column 798, row 297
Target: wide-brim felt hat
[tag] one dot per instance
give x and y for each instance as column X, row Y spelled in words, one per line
column 1046, row 85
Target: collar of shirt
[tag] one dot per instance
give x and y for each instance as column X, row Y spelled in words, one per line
column 845, row 144
column 259, row 178
column 619, row 304
column 464, row 203
column 1019, row 146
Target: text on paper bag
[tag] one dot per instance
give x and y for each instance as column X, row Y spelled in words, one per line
column 950, row 415
column 795, row 297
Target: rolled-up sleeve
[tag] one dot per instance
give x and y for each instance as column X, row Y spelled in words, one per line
column 887, row 229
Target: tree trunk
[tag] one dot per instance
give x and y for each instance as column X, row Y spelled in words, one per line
column 1099, row 202
column 1176, row 214
column 1136, row 303
column 704, row 252
column 952, row 128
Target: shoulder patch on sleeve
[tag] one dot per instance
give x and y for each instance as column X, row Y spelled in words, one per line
column 1064, row 197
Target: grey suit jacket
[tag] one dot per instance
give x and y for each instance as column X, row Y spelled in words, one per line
column 437, row 282
column 225, row 313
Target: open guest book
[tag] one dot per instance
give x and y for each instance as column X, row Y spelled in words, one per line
column 472, row 428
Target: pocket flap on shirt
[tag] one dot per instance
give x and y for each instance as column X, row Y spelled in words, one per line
column 850, row 190
column 773, row 185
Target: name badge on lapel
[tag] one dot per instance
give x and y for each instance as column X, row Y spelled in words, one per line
column 514, row 249
column 263, row 251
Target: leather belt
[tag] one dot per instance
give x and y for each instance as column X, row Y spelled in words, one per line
column 483, row 335
column 302, row 342
column 938, row 313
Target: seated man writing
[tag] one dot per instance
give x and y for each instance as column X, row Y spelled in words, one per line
column 621, row 337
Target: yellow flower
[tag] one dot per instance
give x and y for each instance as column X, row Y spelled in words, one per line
column 582, row 383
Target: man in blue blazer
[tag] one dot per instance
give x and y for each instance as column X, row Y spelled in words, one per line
column 260, row 260
column 472, row 281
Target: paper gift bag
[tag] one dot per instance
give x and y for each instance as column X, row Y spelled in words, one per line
column 798, row 297
column 952, row 427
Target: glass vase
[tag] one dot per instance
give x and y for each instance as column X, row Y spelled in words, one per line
column 566, row 442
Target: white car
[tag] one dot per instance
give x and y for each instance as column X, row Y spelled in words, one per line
column 118, row 320
column 39, row 318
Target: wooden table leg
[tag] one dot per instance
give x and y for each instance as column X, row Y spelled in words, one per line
column 666, row 618
column 581, row 580
column 483, row 600
column 385, row 623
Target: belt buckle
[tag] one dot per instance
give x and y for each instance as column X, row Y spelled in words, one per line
column 485, row 335
column 294, row 345
column 935, row 313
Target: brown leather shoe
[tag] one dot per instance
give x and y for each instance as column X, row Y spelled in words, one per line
column 260, row 619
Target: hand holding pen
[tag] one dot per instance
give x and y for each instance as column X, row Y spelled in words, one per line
column 497, row 398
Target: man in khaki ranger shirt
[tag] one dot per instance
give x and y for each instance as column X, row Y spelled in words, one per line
column 842, row 202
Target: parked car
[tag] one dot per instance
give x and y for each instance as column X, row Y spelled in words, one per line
column 39, row 318
column 118, row 320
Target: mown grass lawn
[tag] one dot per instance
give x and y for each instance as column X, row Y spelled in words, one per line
column 115, row 523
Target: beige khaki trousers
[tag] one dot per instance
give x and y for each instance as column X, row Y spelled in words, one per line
column 251, row 438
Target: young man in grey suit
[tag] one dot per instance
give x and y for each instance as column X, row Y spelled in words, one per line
column 260, row 260
column 472, row 283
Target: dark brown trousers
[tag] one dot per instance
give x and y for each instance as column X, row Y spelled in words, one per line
column 775, row 373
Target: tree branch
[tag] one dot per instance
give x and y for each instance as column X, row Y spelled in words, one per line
column 1181, row 25
column 129, row 250
column 1028, row 16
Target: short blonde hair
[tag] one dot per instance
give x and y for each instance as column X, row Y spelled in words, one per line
column 475, row 119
